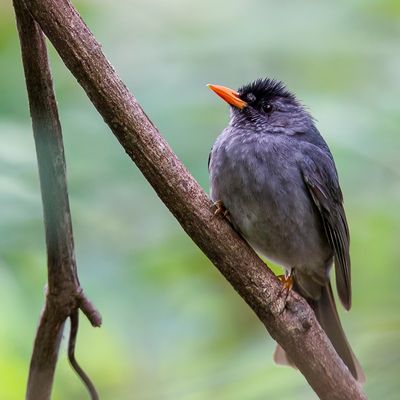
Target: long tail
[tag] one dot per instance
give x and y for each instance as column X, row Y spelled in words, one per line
column 327, row 315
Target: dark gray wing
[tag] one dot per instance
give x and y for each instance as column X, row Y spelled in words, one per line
column 209, row 159
column 320, row 177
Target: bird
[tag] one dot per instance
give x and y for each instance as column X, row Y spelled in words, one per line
column 273, row 176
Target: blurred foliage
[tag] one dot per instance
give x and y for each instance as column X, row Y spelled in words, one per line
column 173, row 327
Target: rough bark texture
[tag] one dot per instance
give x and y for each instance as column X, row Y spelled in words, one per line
column 64, row 295
column 293, row 326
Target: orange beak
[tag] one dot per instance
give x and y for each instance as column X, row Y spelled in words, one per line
column 229, row 95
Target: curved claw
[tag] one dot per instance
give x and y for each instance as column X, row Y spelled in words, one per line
column 287, row 281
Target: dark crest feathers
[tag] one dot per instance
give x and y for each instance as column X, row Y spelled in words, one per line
column 266, row 87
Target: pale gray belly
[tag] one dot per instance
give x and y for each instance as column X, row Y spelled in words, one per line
column 273, row 211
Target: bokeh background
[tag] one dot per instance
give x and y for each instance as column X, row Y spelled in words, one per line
column 173, row 328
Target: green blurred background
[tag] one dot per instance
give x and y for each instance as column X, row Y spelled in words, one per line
column 173, row 328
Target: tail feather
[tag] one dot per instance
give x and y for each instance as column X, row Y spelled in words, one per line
column 327, row 315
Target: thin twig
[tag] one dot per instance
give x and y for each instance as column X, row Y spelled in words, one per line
column 74, row 318
column 294, row 327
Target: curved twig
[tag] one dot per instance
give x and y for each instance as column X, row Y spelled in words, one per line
column 74, row 318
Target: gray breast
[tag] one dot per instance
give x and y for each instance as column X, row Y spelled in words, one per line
column 258, row 179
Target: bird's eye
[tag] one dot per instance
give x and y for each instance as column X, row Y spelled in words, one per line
column 267, row 108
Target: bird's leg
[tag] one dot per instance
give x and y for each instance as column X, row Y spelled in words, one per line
column 279, row 305
column 220, row 209
column 287, row 285
column 287, row 280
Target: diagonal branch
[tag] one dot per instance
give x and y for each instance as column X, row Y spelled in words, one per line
column 293, row 326
column 64, row 296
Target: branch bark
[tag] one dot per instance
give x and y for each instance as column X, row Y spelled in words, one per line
column 64, row 296
column 292, row 323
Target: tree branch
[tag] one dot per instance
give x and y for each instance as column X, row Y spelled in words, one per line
column 64, row 296
column 293, row 326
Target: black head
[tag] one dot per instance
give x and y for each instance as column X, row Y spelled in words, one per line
column 265, row 105
column 262, row 93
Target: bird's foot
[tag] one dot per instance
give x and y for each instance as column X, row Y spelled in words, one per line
column 279, row 305
column 287, row 281
column 220, row 209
